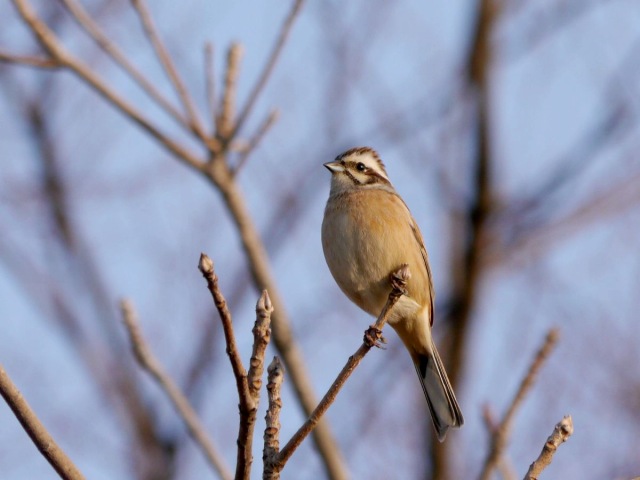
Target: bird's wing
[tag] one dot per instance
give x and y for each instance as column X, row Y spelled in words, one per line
column 423, row 250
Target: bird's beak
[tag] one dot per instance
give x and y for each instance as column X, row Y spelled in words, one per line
column 334, row 167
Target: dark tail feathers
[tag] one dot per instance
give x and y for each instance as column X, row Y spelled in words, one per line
column 442, row 402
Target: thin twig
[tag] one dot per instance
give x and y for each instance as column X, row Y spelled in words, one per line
column 30, row 61
column 148, row 362
column 561, row 433
column 501, row 435
column 272, row 420
column 255, row 140
column 34, row 428
column 268, row 68
column 170, row 69
column 205, row 265
column 210, row 82
column 83, row 18
column 372, row 337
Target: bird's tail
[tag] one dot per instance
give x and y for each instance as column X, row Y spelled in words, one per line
column 442, row 402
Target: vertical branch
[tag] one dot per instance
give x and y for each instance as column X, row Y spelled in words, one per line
column 261, row 338
column 248, row 385
column 210, row 82
column 272, row 430
column 468, row 276
column 224, row 124
column 41, row 438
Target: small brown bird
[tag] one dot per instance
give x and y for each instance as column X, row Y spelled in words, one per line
column 368, row 233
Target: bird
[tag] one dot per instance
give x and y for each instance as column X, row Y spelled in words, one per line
column 368, row 232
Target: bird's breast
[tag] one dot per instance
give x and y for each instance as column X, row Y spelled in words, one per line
column 366, row 236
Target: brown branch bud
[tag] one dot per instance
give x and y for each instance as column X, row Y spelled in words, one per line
column 261, row 338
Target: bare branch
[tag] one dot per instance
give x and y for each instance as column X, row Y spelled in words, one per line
column 34, row 428
column 272, row 429
column 148, row 362
column 30, row 61
column 169, row 67
column 501, row 435
column 52, row 45
column 224, row 123
column 372, row 337
column 561, row 433
column 248, row 398
column 268, row 68
column 206, row 268
column 82, row 17
column 210, row 81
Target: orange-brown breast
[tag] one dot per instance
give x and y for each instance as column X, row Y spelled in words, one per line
column 370, row 239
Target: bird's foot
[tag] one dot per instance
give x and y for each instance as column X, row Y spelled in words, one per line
column 398, row 279
column 373, row 338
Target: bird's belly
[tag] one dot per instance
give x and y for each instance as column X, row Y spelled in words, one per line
column 364, row 251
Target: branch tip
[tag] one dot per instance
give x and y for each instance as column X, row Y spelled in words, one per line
column 205, row 265
column 561, row 433
column 264, row 303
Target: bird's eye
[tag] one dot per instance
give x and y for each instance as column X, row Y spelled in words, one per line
column 361, row 167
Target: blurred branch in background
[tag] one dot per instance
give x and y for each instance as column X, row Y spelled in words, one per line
column 467, row 270
column 502, row 431
column 38, row 433
column 217, row 168
column 151, row 364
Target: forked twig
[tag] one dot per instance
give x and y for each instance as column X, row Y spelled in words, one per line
column 248, row 385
